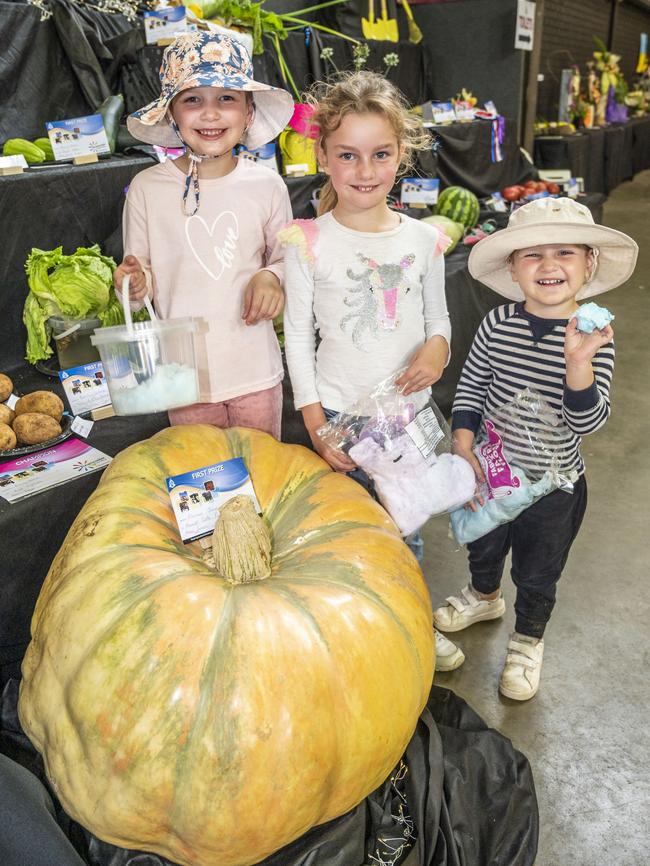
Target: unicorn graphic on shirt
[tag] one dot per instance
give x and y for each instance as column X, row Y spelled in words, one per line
column 375, row 297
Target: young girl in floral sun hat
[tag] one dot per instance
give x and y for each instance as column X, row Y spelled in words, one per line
column 200, row 231
column 551, row 255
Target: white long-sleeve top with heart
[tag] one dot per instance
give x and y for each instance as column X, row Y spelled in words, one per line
column 373, row 297
column 200, row 265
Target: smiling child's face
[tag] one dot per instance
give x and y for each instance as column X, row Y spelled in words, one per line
column 361, row 157
column 550, row 276
column 211, row 120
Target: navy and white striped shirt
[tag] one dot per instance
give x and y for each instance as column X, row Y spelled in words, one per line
column 513, row 350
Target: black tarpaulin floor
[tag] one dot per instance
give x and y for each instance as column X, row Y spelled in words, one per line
column 461, row 795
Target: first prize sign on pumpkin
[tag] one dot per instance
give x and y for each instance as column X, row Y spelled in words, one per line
column 197, row 496
column 182, row 710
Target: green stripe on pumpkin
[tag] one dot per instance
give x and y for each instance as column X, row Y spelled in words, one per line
column 217, row 686
column 324, row 569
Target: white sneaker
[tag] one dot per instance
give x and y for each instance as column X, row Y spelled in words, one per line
column 522, row 670
column 460, row 612
column 448, row 655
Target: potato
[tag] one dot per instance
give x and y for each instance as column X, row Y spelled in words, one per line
column 7, row 438
column 7, row 415
column 42, row 402
column 6, row 387
column 32, row 428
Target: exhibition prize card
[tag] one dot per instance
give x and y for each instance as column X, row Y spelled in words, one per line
column 85, row 387
column 165, row 23
column 77, row 137
column 419, row 190
column 443, row 112
column 197, row 496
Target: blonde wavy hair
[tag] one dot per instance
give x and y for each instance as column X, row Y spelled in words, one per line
column 364, row 92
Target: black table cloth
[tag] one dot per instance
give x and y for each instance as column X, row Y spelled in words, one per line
column 583, row 154
column 464, row 158
column 604, row 157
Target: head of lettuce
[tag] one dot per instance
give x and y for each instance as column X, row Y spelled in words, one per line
column 78, row 286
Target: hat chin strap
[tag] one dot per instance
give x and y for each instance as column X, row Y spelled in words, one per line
column 192, row 178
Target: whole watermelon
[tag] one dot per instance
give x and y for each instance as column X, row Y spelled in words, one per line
column 459, row 204
column 452, row 229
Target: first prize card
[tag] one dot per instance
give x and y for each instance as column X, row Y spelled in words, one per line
column 165, row 23
column 197, row 496
column 85, row 387
column 443, row 112
column 78, row 136
column 419, row 190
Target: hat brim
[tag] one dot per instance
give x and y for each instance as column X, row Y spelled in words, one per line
column 617, row 254
column 273, row 108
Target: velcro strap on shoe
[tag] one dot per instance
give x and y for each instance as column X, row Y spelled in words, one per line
column 518, row 659
column 461, row 604
column 522, row 654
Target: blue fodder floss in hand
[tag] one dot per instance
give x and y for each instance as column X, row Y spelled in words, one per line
column 591, row 316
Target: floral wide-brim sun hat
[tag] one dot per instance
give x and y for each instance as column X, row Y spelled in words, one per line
column 205, row 59
column 553, row 221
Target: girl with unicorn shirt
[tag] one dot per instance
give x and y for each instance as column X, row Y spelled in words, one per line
column 369, row 280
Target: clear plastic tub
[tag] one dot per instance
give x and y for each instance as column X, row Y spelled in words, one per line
column 149, row 366
column 72, row 340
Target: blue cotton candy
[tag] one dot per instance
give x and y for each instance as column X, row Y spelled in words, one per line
column 468, row 525
column 591, row 316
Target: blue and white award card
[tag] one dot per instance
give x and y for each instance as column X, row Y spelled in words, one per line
column 197, row 496
column 164, row 23
column 78, row 136
column 85, row 387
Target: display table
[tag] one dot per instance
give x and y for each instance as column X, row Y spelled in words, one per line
column 465, row 158
column 604, row 157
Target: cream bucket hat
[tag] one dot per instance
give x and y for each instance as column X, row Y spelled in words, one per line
column 553, row 221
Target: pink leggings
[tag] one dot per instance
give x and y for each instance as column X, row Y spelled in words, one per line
column 261, row 410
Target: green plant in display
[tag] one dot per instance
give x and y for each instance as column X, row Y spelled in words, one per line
column 360, row 54
column 77, row 285
column 252, row 16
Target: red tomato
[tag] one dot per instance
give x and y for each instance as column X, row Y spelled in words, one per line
column 541, row 186
column 553, row 188
column 512, row 193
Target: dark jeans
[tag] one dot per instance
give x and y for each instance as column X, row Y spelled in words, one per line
column 414, row 541
column 540, row 540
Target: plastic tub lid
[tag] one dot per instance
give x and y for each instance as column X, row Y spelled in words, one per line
column 63, row 321
column 142, row 331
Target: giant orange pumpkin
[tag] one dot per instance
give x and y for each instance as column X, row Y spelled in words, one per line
column 213, row 721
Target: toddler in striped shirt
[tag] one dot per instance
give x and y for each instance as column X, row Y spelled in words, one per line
column 551, row 255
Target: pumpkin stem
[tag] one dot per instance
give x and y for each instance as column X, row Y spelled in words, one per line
column 241, row 542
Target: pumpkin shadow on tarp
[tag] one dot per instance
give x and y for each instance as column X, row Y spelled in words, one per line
column 461, row 794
